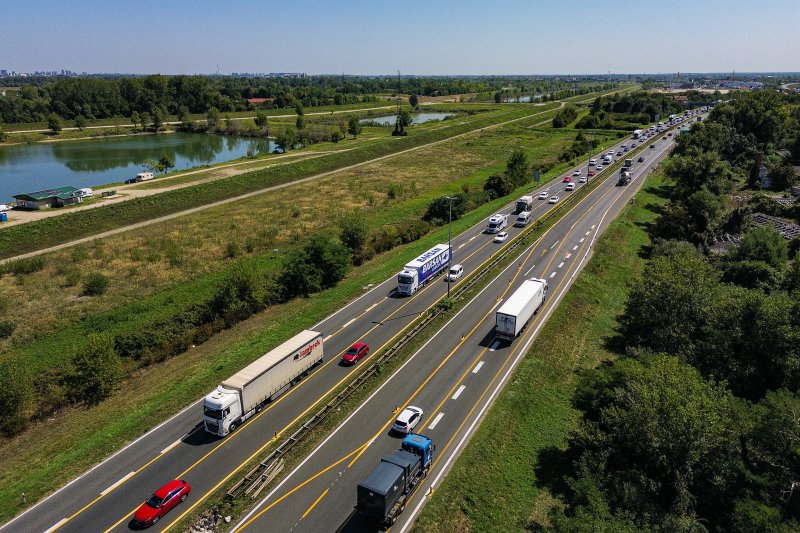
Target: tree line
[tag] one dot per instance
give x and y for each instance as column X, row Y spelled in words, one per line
column 697, row 426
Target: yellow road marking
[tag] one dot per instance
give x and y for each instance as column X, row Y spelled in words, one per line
column 314, row 504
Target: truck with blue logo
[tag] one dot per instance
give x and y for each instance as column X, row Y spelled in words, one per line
column 422, row 269
column 383, row 495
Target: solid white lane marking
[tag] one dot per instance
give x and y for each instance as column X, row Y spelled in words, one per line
column 554, row 244
column 477, row 367
column 56, row 525
column 436, row 420
column 529, row 270
column 118, row 483
column 561, row 264
column 574, row 247
column 168, row 448
column 348, row 322
column 568, row 256
column 458, row 392
column 582, row 239
column 552, row 274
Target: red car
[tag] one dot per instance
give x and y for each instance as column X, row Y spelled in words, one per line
column 566, row 179
column 591, row 173
column 357, row 351
column 161, row 502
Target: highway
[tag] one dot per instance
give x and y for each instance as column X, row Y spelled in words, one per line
column 104, row 498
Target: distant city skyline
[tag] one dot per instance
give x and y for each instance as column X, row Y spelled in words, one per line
column 512, row 37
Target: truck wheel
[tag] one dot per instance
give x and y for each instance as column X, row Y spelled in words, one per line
column 232, row 428
column 392, row 520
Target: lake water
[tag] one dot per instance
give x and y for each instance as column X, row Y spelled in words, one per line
column 417, row 118
column 523, row 99
column 33, row 167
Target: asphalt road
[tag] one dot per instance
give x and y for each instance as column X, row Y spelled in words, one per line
column 105, row 497
column 453, row 378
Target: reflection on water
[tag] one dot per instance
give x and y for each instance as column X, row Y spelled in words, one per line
column 32, row 167
column 417, row 118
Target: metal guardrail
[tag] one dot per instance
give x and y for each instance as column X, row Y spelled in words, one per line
column 254, row 481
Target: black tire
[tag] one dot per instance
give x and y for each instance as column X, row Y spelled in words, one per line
column 232, row 428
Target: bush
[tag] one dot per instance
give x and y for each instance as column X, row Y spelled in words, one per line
column 96, row 369
column 95, row 284
column 25, row 266
column 232, row 250
column 16, row 394
column 7, row 327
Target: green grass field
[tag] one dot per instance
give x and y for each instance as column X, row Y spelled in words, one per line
column 501, row 480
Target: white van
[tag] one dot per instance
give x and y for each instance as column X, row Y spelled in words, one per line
column 86, row 192
column 523, row 219
column 455, row 272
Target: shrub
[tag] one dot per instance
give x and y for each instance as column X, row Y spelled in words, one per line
column 16, row 394
column 232, row 250
column 25, row 266
column 96, row 369
column 7, row 327
column 95, row 284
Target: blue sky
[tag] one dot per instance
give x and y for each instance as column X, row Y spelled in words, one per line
column 415, row 37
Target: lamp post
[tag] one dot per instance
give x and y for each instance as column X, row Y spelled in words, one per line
column 449, row 246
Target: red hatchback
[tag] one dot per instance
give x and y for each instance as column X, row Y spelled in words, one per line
column 591, row 173
column 355, row 352
column 161, row 502
column 566, row 179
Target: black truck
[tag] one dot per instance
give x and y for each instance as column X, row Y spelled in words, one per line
column 383, row 495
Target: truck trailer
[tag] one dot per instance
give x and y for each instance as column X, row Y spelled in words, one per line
column 245, row 393
column 383, row 495
column 496, row 223
column 624, row 178
column 424, row 268
column 524, row 204
column 514, row 315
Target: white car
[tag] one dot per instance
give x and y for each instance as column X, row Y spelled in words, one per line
column 583, row 179
column 455, row 272
column 599, row 167
column 501, row 237
column 577, row 173
column 407, row 420
column 543, row 195
column 570, row 187
column 592, row 162
column 553, row 199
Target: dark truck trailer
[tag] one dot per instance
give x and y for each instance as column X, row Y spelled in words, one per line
column 382, row 496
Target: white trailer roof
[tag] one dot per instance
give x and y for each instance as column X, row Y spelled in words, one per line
column 514, row 305
column 427, row 256
column 270, row 359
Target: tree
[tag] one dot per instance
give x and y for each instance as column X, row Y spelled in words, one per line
column 498, row 185
column 298, row 108
column 498, row 97
column 185, row 119
column 300, row 123
column 96, row 369
column 439, row 208
column 343, row 129
column 135, row 119
column 165, row 163
column 80, row 122
column 145, row 121
column 413, row 101
column 54, row 123
column 158, row 118
column 517, row 168
column 16, row 396
column 261, row 120
column 331, row 257
column 3, row 135
column 285, row 139
column 354, row 126
column 212, row 118
column 764, row 244
column 353, row 233
column 241, row 294
column 402, row 120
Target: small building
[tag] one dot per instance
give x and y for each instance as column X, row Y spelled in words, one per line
column 259, row 101
column 49, row 198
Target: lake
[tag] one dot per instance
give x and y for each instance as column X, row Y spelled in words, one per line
column 33, row 167
column 417, row 118
column 523, row 99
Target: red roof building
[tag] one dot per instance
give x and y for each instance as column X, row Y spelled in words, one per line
column 259, row 101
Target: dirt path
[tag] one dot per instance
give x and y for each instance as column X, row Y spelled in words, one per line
column 258, row 192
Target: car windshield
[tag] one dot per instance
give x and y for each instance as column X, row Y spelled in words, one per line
column 453, row 271
column 352, row 351
column 154, row 501
column 400, row 423
column 217, row 414
column 406, row 280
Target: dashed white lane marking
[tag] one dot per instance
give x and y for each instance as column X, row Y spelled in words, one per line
column 460, row 246
column 168, row 448
column 568, row 256
column 494, row 346
column 458, row 392
column 574, row 247
column 587, row 233
column 594, row 226
column 373, row 306
column 554, row 244
column 552, row 274
column 472, row 238
column 436, row 420
column 529, row 270
column 348, row 322
column 582, row 239
column 561, row 264
column 56, row 525
column 118, row 483
column 477, row 367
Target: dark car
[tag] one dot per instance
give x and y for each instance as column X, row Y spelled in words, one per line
column 161, row 502
column 640, row 160
column 131, row 180
column 357, row 351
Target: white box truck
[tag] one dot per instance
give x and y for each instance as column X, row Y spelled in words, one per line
column 422, row 269
column 524, row 204
column 496, row 222
column 518, row 310
column 245, row 393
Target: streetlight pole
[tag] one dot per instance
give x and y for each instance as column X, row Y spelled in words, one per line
column 449, row 246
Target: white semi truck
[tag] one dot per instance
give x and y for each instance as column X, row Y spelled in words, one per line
column 496, row 223
column 524, row 204
column 518, row 310
column 245, row 393
column 424, row 268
